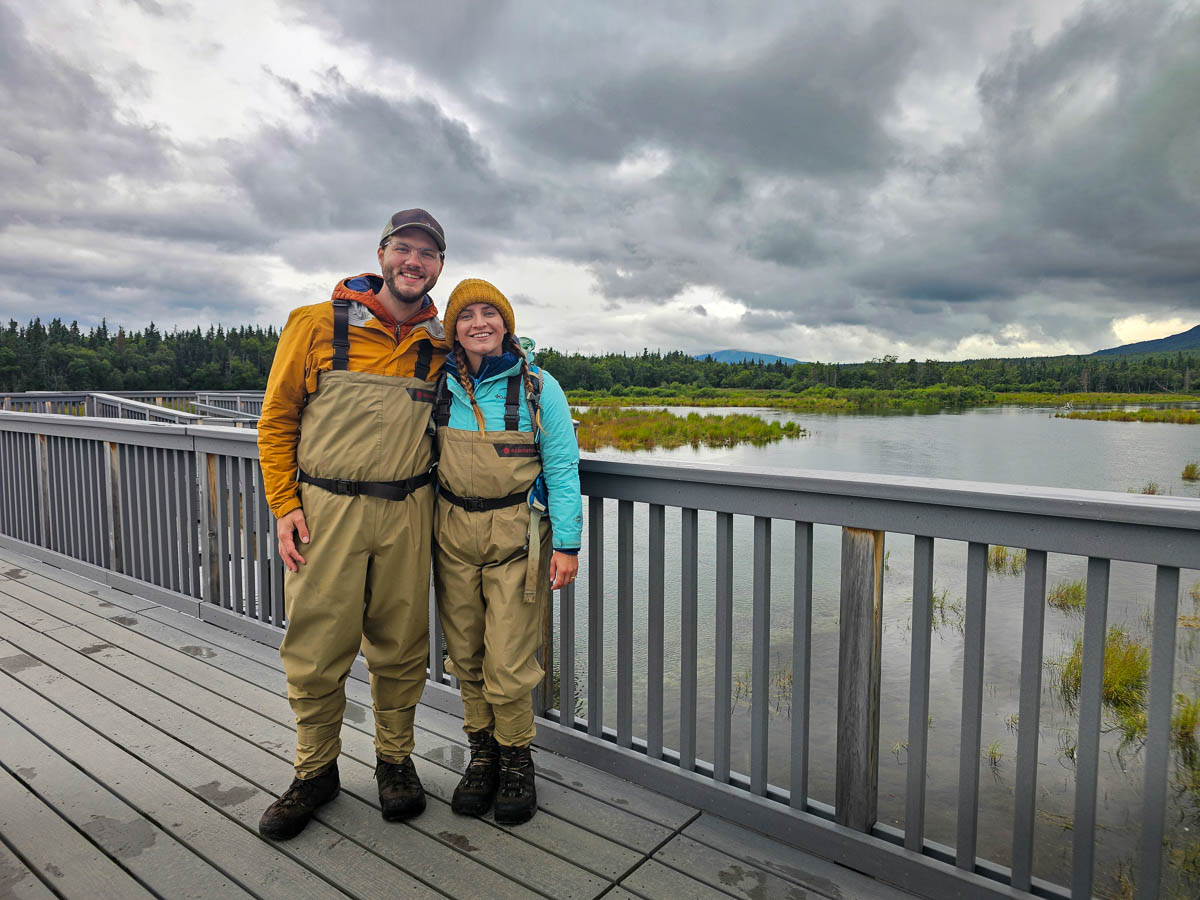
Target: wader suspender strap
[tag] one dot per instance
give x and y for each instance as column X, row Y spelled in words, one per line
column 441, row 405
column 341, row 335
column 512, row 404
column 424, row 360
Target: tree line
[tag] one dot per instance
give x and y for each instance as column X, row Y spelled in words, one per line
column 61, row 357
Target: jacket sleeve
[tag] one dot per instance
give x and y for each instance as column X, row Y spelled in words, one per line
column 560, row 465
column 279, row 426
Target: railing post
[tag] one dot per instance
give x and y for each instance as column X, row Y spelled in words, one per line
column 210, row 557
column 861, row 628
column 112, row 489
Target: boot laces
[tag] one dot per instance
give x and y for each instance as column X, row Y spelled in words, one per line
column 514, row 765
column 483, row 757
column 402, row 774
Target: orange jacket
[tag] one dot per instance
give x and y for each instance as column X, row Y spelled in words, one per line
column 306, row 348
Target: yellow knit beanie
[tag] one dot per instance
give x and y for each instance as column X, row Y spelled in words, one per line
column 476, row 290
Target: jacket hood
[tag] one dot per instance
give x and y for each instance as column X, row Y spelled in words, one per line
column 365, row 288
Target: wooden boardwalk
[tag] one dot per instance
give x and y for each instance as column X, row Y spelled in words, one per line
column 139, row 746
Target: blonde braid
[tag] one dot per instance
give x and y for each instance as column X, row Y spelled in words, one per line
column 464, row 378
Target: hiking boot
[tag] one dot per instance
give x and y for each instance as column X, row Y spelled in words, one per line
column 287, row 816
column 473, row 796
column 400, row 793
column 516, row 797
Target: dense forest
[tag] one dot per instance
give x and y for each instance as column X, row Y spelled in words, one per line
column 58, row 357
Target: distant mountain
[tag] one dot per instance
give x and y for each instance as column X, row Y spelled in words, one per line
column 736, row 356
column 1185, row 340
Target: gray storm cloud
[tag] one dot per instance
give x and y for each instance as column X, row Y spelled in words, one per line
column 921, row 175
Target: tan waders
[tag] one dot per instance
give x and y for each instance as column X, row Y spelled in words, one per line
column 491, row 588
column 364, row 457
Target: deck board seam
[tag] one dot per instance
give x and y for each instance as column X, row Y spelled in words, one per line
column 651, row 854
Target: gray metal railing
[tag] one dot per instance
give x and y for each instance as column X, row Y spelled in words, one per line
column 177, row 514
column 176, row 407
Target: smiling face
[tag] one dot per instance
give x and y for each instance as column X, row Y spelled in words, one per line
column 480, row 330
column 411, row 263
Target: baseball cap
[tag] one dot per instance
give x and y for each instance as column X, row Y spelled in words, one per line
column 415, row 218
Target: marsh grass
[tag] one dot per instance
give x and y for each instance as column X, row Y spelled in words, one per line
column 1003, row 561
column 779, row 690
column 1123, row 689
column 947, row 612
column 994, row 754
column 1172, row 415
column 644, row 429
column 1150, row 487
column 1068, row 596
column 1184, row 723
column 1191, row 472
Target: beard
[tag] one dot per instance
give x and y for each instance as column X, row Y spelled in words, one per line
column 407, row 291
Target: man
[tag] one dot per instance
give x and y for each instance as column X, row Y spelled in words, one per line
column 347, row 463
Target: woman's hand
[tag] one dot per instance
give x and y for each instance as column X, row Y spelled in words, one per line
column 563, row 569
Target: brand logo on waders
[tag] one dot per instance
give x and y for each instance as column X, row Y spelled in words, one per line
column 514, row 450
column 421, row 395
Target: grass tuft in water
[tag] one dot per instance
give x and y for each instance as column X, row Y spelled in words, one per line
column 994, row 754
column 1068, row 596
column 1184, row 724
column 1191, row 472
column 1126, row 676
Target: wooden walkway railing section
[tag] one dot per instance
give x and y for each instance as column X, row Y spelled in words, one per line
column 176, row 513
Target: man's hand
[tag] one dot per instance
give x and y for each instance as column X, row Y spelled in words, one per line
column 563, row 568
column 287, row 527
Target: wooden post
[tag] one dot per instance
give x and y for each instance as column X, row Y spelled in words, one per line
column 112, row 487
column 43, row 474
column 861, row 630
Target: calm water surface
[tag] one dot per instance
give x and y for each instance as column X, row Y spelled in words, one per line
column 1006, row 445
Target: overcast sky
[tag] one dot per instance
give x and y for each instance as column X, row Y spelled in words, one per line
column 832, row 181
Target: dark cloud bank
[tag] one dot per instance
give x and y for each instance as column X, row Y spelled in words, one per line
column 754, row 150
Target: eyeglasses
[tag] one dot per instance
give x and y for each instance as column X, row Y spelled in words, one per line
column 424, row 254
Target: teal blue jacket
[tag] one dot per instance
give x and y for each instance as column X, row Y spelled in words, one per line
column 559, row 449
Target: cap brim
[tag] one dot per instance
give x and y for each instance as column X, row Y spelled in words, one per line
column 429, row 230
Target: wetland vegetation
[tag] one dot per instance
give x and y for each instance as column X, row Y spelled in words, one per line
column 645, row 429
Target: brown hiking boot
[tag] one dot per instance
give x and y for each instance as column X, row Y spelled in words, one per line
column 287, row 816
column 516, row 797
column 400, row 793
column 473, row 796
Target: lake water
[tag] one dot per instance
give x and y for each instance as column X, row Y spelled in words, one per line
column 1006, row 445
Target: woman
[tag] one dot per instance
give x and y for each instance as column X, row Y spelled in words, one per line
column 507, row 453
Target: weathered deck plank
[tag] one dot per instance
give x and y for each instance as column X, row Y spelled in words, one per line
column 18, row 881
column 356, row 811
column 155, row 720
column 611, row 820
column 150, row 854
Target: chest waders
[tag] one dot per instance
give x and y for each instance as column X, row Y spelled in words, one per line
column 491, row 568
column 365, row 459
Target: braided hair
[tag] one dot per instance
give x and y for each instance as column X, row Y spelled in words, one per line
column 464, row 379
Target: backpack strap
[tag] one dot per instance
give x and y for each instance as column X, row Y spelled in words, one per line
column 512, row 404
column 533, row 400
column 341, row 335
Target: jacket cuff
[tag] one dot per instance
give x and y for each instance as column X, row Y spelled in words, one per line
column 570, row 551
column 286, row 507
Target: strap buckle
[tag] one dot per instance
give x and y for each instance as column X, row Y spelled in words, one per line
column 473, row 504
column 342, row 486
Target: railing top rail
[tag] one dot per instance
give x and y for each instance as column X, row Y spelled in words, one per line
column 1108, row 506
column 629, row 479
